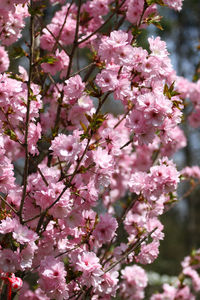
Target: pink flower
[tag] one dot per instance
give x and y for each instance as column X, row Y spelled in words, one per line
column 52, row 278
column 107, row 80
column 109, row 45
column 60, row 61
column 194, row 119
column 193, row 171
column 169, row 293
column 148, row 253
column 88, row 263
column 34, row 134
column 4, row 60
column 109, row 283
column 174, row 4
column 188, row 271
column 138, row 182
column 74, row 88
column 9, row 261
column 134, row 282
column 24, row 235
column 158, row 47
column 134, row 11
column 135, row 275
column 102, row 158
column 184, row 293
column 98, row 7
column 136, row 121
column 65, row 147
column 105, row 229
column 8, row 225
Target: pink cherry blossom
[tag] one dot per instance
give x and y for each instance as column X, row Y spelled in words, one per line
column 105, row 229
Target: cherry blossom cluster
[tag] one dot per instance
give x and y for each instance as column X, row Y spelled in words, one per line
column 72, row 177
column 184, row 289
column 190, row 91
column 12, row 20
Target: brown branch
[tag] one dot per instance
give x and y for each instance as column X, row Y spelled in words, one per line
column 134, row 247
column 31, row 57
column 101, row 27
column 9, row 205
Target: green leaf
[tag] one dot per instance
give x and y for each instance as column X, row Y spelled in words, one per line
column 47, row 59
column 155, row 20
column 160, row 2
column 11, row 134
column 83, row 127
column 18, row 52
column 135, row 31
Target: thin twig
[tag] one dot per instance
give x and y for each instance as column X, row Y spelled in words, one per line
column 98, row 29
column 31, row 56
column 9, row 205
column 42, row 175
column 69, row 67
column 83, row 69
column 61, row 29
column 133, row 248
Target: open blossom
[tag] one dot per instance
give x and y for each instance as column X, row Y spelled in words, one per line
column 158, row 47
column 8, row 225
column 107, row 80
column 52, row 278
column 109, row 283
column 24, row 235
column 193, row 172
column 59, row 62
column 169, row 293
column 134, row 282
column 105, row 229
column 148, row 253
column 134, row 10
column 65, row 147
column 102, row 158
column 74, row 88
column 162, row 179
column 9, row 261
column 20, row 233
column 88, row 263
column 110, row 45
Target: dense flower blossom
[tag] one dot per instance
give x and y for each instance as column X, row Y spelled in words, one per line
column 52, row 278
column 74, row 88
column 58, row 62
column 70, row 174
column 88, row 263
column 105, row 229
column 66, row 147
column 134, row 282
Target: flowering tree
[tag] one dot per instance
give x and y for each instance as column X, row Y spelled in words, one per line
column 89, row 178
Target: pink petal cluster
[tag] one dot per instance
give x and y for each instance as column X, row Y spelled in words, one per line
column 134, row 282
column 88, row 263
column 52, row 278
column 73, row 174
column 105, row 229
